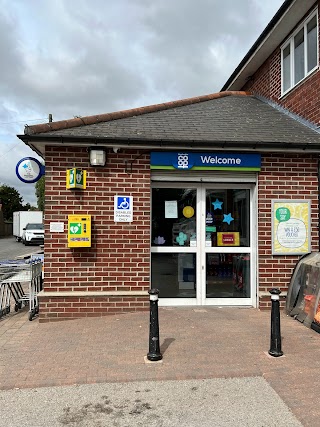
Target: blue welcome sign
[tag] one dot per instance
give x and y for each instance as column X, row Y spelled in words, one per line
column 205, row 161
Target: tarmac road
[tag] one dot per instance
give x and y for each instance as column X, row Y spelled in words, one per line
column 10, row 249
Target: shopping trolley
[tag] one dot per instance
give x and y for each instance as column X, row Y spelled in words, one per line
column 12, row 275
column 4, row 300
column 8, row 288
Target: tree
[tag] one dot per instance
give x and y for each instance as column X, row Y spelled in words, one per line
column 11, row 201
column 28, row 207
column 40, row 185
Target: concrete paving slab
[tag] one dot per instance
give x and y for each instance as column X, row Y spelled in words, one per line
column 219, row 343
column 240, row 402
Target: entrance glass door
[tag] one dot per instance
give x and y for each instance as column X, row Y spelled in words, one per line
column 226, row 245
column 174, row 243
column 201, row 249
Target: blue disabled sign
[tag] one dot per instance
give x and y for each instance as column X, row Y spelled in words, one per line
column 123, row 208
column 29, row 170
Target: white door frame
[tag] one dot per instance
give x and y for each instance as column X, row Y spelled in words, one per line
column 201, row 250
column 204, row 250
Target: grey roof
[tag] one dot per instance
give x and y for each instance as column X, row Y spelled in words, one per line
column 232, row 118
column 242, row 122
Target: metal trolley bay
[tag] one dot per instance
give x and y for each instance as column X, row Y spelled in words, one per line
column 20, row 283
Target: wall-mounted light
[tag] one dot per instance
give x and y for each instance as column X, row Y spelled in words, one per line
column 115, row 149
column 97, row 156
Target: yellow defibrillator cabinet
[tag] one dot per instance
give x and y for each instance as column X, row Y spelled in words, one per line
column 79, row 231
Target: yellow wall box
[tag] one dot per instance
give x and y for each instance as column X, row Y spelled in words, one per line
column 79, row 231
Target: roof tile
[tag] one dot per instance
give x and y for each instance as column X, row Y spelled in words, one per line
column 216, row 118
column 88, row 120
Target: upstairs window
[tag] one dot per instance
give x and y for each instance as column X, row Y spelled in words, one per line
column 299, row 55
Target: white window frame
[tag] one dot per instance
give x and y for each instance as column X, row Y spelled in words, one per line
column 290, row 42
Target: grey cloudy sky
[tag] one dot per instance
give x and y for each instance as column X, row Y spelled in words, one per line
column 83, row 57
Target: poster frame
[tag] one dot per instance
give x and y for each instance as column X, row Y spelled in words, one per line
column 275, row 202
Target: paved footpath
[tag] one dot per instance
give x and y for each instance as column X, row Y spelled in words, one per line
column 214, row 357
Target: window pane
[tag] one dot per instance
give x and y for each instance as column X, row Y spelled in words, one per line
column 227, row 218
column 173, row 217
column 228, row 276
column 286, row 69
column 174, row 275
column 299, row 56
column 312, row 43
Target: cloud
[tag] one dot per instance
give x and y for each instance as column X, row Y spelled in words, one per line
column 74, row 57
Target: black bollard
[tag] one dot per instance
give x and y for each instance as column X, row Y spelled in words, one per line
column 154, row 344
column 275, row 340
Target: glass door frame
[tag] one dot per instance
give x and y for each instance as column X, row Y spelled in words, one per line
column 204, row 250
column 201, row 250
column 180, row 249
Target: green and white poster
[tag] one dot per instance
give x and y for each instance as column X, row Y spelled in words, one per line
column 290, row 227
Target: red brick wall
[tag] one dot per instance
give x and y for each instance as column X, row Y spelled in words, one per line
column 63, row 308
column 283, row 177
column 303, row 100
column 299, row 173
column 119, row 259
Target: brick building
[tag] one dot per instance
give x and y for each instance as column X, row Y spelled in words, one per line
column 283, row 64
column 283, row 67
column 212, row 199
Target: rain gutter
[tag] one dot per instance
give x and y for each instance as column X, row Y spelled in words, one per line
column 168, row 144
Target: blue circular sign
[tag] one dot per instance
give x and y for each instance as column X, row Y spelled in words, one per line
column 29, row 170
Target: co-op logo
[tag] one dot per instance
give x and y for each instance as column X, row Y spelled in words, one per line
column 183, row 161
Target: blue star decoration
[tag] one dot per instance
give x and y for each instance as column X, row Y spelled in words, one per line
column 217, row 204
column 227, row 218
column 25, row 166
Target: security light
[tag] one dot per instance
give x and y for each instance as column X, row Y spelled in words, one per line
column 97, row 156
